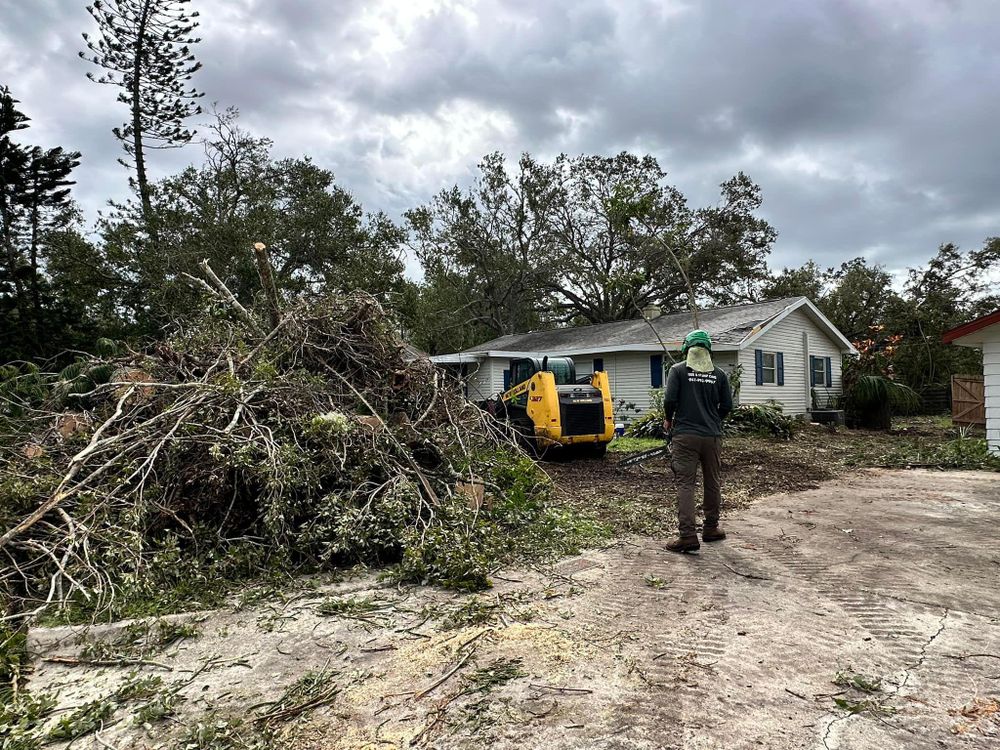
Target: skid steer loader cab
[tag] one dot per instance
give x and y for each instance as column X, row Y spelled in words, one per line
column 549, row 406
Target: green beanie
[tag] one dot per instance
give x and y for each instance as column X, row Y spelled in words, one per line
column 696, row 338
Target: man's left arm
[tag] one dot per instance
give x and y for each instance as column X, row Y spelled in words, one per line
column 725, row 395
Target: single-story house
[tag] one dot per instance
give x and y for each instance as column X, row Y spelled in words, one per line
column 784, row 350
column 984, row 333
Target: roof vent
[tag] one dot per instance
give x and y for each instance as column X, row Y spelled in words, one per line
column 651, row 312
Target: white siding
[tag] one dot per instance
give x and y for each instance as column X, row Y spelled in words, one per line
column 499, row 365
column 787, row 337
column 478, row 380
column 991, row 379
column 630, row 376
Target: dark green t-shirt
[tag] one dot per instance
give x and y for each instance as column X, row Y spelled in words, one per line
column 697, row 402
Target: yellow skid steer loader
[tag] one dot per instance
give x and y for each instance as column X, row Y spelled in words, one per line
column 548, row 407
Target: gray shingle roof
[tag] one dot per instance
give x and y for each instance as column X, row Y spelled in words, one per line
column 726, row 325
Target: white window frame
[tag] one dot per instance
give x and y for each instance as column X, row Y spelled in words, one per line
column 819, row 376
column 773, row 369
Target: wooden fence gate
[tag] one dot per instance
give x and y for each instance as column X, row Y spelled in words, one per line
column 968, row 399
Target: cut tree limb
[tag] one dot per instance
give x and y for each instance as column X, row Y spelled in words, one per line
column 229, row 297
column 266, row 273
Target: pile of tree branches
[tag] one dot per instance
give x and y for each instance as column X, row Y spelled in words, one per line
column 303, row 434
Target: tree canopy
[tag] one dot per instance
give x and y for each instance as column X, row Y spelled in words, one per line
column 586, row 239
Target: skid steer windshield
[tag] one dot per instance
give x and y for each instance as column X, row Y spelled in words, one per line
column 563, row 371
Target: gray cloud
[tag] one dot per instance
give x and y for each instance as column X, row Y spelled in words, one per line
column 870, row 125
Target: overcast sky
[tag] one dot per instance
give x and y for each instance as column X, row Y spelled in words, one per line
column 873, row 127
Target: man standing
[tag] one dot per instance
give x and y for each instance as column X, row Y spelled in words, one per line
column 696, row 401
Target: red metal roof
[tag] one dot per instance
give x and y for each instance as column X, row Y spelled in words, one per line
column 971, row 327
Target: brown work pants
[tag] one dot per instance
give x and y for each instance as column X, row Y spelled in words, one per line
column 687, row 451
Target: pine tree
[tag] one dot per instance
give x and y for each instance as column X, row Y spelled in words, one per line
column 13, row 161
column 47, row 203
column 35, row 206
column 144, row 47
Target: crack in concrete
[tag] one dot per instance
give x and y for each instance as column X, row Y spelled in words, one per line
column 905, row 600
column 895, row 693
column 923, row 652
column 829, row 728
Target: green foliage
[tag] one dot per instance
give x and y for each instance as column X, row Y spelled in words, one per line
column 760, row 419
column 871, row 393
column 746, row 419
column 516, row 249
column 214, row 732
column 858, row 681
column 466, row 544
column 21, row 719
column 139, row 640
column 311, row 691
column 647, row 427
column 84, row 720
column 806, row 281
column 359, row 608
column 962, row 452
column 634, row 444
column 475, row 611
column 144, row 50
column 954, row 286
column 499, row 672
column 13, row 658
column 318, row 237
column 138, row 688
column 296, row 474
column 159, row 707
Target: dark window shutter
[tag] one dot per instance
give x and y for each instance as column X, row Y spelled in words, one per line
column 829, row 372
column 656, row 371
column 506, row 380
column 758, row 357
column 598, row 364
column 812, row 371
column 779, row 364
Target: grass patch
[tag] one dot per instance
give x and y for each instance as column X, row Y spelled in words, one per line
column 633, row 444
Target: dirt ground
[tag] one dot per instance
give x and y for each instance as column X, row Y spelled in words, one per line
column 862, row 613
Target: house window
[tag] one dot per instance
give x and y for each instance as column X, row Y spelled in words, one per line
column 821, row 371
column 768, row 369
column 598, row 364
column 656, row 371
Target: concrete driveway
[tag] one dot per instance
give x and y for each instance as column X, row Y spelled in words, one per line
column 888, row 583
column 863, row 614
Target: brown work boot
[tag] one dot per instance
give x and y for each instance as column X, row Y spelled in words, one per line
column 684, row 544
column 712, row 534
